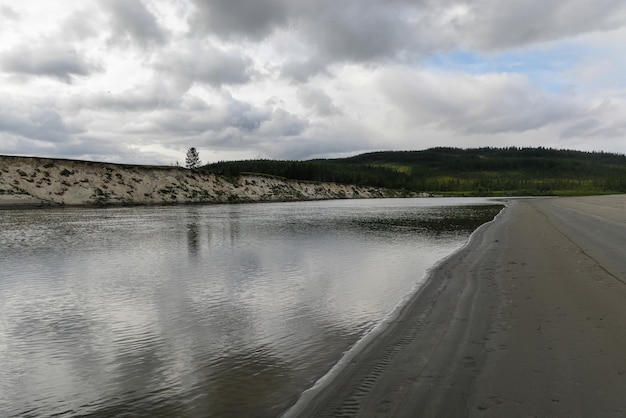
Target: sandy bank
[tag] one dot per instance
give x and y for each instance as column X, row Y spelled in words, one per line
column 529, row 319
column 36, row 182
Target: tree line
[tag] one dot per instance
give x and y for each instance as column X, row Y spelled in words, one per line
column 480, row 171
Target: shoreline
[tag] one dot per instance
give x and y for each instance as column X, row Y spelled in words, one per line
column 314, row 395
column 526, row 320
column 35, row 204
column 313, row 400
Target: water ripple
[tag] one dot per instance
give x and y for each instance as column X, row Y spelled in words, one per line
column 203, row 310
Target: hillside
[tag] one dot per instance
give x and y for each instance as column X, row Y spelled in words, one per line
column 30, row 181
column 482, row 171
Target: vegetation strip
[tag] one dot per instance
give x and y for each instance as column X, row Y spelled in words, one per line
column 453, row 171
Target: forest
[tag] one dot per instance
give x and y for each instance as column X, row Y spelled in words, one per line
column 453, row 171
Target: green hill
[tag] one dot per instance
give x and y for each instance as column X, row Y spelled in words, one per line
column 453, row 171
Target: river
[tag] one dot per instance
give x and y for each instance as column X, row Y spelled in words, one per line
column 204, row 311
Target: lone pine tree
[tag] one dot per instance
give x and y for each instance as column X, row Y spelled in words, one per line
column 193, row 158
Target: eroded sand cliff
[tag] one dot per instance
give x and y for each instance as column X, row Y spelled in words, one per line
column 32, row 181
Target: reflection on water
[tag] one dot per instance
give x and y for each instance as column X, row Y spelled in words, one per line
column 203, row 310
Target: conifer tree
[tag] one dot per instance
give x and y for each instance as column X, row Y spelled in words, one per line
column 193, row 158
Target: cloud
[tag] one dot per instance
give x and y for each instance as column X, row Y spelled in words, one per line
column 475, row 104
column 352, row 31
column 357, row 30
column 228, row 124
column 101, row 148
column 317, row 101
column 283, row 124
column 346, row 137
column 9, row 13
column 80, row 25
column 367, row 31
column 202, row 118
column 582, row 128
column 39, row 122
column 321, row 33
column 192, row 116
column 205, row 64
column 47, row 60
column 604, row 121
column 297, row 79
column 302, row 70
column 499, row 24
column 82, row 147
column 155, row 94
column 244, row 116
column 131, row 21
column 239, row 18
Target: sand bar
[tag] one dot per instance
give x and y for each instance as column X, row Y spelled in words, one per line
column 528, row 320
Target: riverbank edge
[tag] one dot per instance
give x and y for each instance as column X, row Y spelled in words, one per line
column 34, row 182
column 319, row 400
column 527, row 320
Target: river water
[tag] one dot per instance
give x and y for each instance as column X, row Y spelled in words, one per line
column 204, row 311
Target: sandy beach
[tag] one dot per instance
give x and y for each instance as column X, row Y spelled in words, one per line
column 528, row 320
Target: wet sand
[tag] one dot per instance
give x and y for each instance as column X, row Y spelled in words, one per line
column 528, row 320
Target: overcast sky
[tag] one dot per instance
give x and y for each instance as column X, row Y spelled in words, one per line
column 141, row 81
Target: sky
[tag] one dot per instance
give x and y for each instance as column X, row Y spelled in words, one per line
column 142, row 81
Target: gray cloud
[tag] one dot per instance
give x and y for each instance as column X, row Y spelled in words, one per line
column 581, row 128
column 105, row 148
column 361, row 31
column 155, row 94
column 302, row 70
column 283, row 124
column 229, row 125
column 239, row 18
column 204, row 64
column 192, row 116
column 322, row 141
column 244, row 116
column 80, row 25
column 350, row 30
column 598, row 125
column 288, row 136
column 379, row 31
column 132, row 21
column 48, row 60
column 300, row 78
column 356, row 30
column 9, row 13
column 83, row 147
column 319, row 102
column 498, row 24
column 38, row 122
column 488, row 104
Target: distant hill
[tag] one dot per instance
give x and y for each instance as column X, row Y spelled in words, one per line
column 453, row 171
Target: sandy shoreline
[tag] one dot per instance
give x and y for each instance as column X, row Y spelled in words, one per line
column 529, row 319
